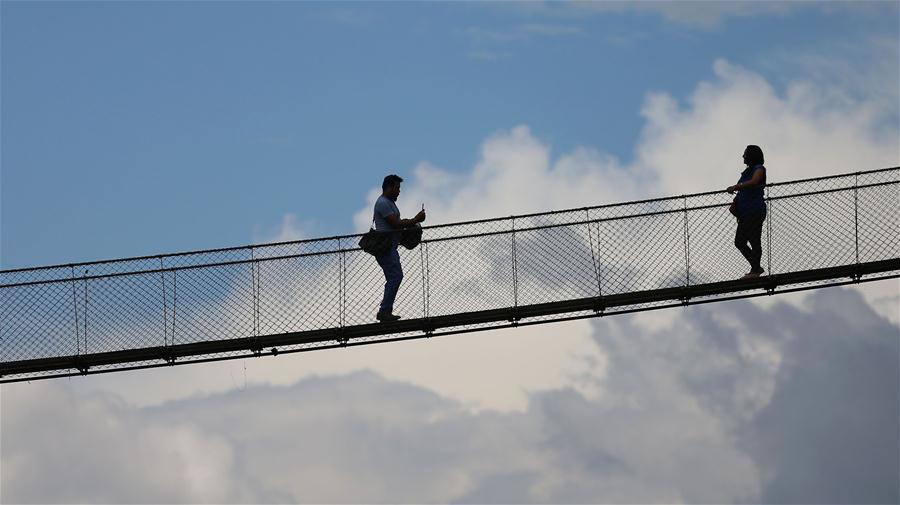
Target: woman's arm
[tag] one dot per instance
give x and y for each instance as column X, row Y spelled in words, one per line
column 754, row 181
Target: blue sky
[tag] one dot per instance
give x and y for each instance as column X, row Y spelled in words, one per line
column 135, row 128
column 143, row 127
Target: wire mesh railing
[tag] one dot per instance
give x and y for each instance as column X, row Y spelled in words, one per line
column 322, row 293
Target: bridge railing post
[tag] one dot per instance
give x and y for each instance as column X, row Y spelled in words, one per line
column 856, row 215
column 599, row 258
column 252, row 265
column 86, row 311
column 587, row 215
column 75, row 311
column 428, row 279
column 424, row 270
column 770, row 213
column 162, row 278
column 687, row 242
column 254, row 276
column 515, row 268
column 342, row 283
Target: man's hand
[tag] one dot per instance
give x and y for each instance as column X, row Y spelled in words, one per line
column 420, row 216
column 731, row 189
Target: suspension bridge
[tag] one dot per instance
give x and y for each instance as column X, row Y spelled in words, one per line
column 265, row 300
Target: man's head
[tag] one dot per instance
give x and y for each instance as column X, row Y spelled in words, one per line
column 753, row 155
column 391, row 186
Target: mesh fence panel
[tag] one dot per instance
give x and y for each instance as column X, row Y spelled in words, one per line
column 213, row 303
column 469, row 274
column 132, row 313
column 39, row 321
column 879, row 222
column 627, row 263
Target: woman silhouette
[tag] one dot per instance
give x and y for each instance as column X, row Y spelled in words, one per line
column 749, row 206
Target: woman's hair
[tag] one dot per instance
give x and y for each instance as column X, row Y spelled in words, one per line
column 754, row 156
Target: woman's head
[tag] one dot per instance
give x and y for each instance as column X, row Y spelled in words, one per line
column 753, row 155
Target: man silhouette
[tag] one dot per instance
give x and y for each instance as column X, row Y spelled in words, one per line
column 387, row 219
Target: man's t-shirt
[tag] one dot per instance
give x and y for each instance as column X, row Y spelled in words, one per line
column 383, row 208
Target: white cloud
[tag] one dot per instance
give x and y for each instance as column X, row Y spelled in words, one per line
column 856, row 68
column 704, row 141
column 290, row 229
column 463, row 367
column 735, row 404
column 684, row 148
column 514, row 175
column 96, row 447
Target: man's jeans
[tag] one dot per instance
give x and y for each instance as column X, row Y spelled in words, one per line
column 393, row 275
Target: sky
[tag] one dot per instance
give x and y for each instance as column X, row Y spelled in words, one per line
column 136, row 128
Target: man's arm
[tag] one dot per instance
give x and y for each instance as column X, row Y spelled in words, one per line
column 398, row 223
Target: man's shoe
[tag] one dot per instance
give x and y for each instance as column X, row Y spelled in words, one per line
column 751, row 275
column 386, row 317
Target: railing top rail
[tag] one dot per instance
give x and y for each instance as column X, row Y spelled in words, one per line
column 445, row 225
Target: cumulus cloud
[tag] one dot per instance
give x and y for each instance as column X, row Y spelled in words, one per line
column 703, row 141
column 514, row 175
column 65, row 448
column 737, row 404
column 829, row 432
column 684, row 148
column 786, row 383
column 290, row 228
